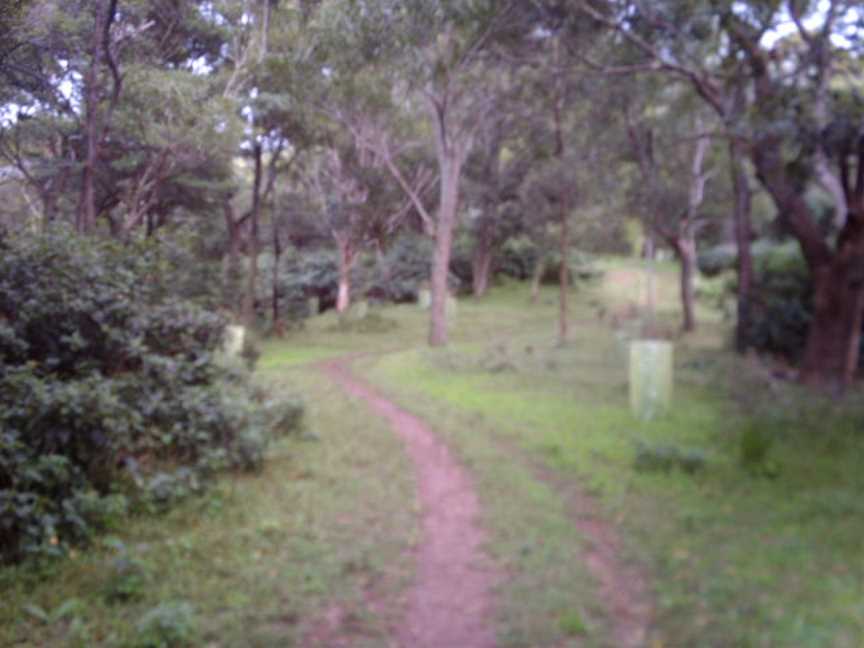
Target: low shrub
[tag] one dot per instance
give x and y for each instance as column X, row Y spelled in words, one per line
column 168, row 625
column 110, row 393
column 782, row 305
column 667, row 457
column 754, row 449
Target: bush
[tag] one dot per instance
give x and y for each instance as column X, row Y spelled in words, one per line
column 109, row 391
column 717, row 259
column 168, row 625
column 518, row 258
column 402, row 271
column 666, row 457
column 781, row 303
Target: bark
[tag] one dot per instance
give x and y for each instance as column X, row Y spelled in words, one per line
column 743, row 238
column 278, row 324
column 685, row 240
column 96, row 119
column 833, row 340
column 232, row 269
column 346, row 262
column 685, row 249
column 248, row 310
column 649, row 252
column 481, row 266
column 832, row 349
column 451, row 169
column 564, row 277
column 536, row 277
column 564, row 206
column 86, row 216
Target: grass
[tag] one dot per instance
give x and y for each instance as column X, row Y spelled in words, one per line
column 327, row 523
column 768, row 551
column 738, row 557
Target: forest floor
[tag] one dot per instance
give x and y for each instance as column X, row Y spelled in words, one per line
column 735, row 520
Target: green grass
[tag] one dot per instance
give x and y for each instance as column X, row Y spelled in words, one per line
column 765, row 554
column 326, row 523
column 738, row 558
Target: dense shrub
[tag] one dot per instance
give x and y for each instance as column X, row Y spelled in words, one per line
column 402, row 270
column 518, row 258
column 723, row 258
column 110, row 390
column 782, row 302
column 301, row 275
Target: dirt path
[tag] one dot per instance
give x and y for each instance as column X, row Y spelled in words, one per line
column 450, row 603
column 623, row 587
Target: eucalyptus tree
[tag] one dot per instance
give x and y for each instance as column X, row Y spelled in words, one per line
column 437, row 53
column 271, row 77
column 494, row 173
column 358, row 206
column 797, row 61
column 672, row 154
column 68, row 126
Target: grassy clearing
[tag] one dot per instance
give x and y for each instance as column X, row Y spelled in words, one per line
column 326, row 523
column 764, row 554
column 770, row 554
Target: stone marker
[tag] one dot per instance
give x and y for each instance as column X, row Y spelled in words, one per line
column 358, row 310
column 424, row 301
column 451, row 307
column 235, row 335
column 424, row 298
column 650, row 378
column 314, row 305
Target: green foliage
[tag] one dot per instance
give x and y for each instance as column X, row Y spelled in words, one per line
column 754, row 449
column 126, row 577
column 782, row 297
column 518, row 258
column 402, row 271
column 312, row 273
column 572, row 624
column 666, row 457
column 782, row 302
column 714, row 260
column 109, row 390
column 372, row 323
column 168, row 625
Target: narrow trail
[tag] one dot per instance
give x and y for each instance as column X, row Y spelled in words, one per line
column 623, row 587
column 450, row 604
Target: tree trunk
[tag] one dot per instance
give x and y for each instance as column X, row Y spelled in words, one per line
column 649, row 252
column 451, row 168
column 278, row 324
column 249, row 314
column 481, row 266
column 346, row 261
column 564, row 276
column 536, row 277
column 86, row 216
column 96, row 119
column 233, row 272
column 685, row 249
column 834, row 338
column 743, row 238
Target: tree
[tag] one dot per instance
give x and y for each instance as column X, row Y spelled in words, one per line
column 786, row 133
column 442, row 49
column 357, row 208
column 76, row 118
column 669, row 208
column 494, row 173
